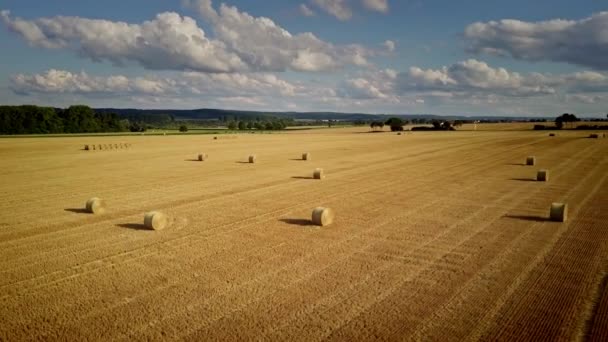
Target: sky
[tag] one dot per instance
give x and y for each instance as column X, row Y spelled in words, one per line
column 467, row 57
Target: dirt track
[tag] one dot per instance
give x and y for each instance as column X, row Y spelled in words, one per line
column 439, row 236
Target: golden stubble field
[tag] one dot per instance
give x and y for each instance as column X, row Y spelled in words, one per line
column 438, row 237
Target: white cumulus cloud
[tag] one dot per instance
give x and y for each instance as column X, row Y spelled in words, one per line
column 306, row 11
column 581, row 42
column 266, row 46
column 179, row 85
column 390, row 45
column 169, row 41
column 474, row 76
column 241, row 42
column 379, row 84
column 376, row 5
column 338, row 8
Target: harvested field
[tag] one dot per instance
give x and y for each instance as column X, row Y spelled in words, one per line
column 438, row 237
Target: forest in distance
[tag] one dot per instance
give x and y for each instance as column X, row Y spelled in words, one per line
column 31, row 119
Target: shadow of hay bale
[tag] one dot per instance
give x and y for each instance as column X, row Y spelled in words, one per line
column 77, row 210
column 528, row 218
column 134, row 226
column 298, row 222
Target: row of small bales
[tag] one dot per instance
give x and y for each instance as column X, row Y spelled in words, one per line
column 155, row 220
column 101, row 147
column 558, row 211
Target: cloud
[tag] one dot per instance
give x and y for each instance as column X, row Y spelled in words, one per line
column 338, row 8
column 390, row 45
column 376, row 5
column 306, row 11
column 265, row 46
column 241, row 42
column 379, row 84
column 466, row 87
column 342, row 10
column 473, row 76
column 169, row 41
column 180, row 85
column 474, row 83
column 585, row 82
column 60, row 81
column 582, row 42
column 586, row 99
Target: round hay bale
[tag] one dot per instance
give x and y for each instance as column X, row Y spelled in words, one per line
column 531, row 161
column 214, row 138
column 594, row 136
column 95, row 205
column 399, row 133
column 116, row 146
column 552, row 134
column 86, row 147
column 155, row 220
column 318, row 174
column 542, row 175
column 558, row 212
column 202, row 156
column 306, row 156
column 93, row 147
column 252, row 158
column 322, row 216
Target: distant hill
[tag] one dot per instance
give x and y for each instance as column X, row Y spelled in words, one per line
column 226, row 114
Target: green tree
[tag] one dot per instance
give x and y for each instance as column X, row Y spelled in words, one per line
column 183, row 128
column 80, row 119
column 565, row 118
column 242, row 125
column 250, row 125
column 377, row 125
column 232, row 125
column 137, row 126
column 396, row 124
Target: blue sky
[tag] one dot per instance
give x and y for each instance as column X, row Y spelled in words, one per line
column 472, row 57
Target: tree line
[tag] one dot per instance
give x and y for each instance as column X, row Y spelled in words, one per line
column 29, row 119
column 259, row 125
column 396, row 125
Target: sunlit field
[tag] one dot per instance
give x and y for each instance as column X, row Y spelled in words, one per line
column 438, row 236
